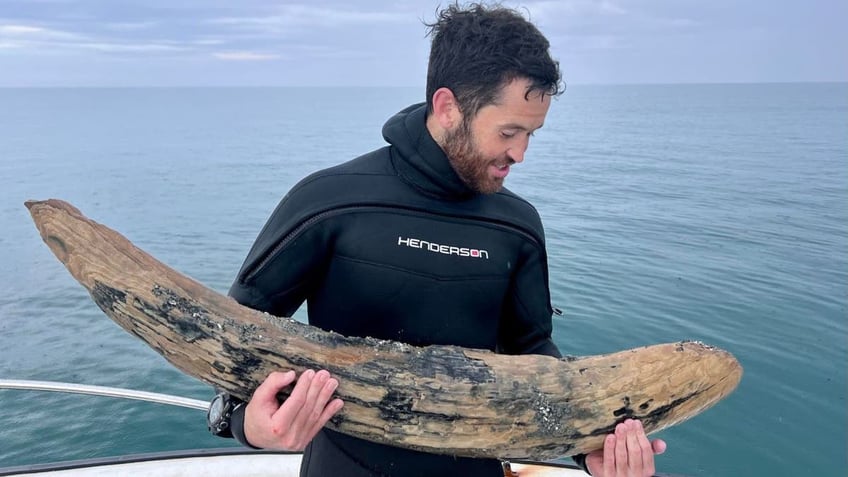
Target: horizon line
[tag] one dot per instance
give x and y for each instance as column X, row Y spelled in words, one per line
column 245, row 86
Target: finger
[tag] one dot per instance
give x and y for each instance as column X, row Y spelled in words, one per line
column 325, row 407
column 644, row 443
column 609, row 456
column 329, row 411
column 634, row 450
column 621, row 460
column 312, row 408
column 646, row 451
column 265, row 396
column 659, row 446
column 286, row 414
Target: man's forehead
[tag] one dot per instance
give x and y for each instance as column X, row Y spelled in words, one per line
column 517, row 111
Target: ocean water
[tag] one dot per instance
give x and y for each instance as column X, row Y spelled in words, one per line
column 710, row 212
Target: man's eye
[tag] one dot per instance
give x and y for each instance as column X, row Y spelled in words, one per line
column 508, row 133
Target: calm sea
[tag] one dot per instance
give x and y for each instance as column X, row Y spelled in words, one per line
column 709, row 212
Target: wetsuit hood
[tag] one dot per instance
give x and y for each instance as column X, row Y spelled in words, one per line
column 419, row 160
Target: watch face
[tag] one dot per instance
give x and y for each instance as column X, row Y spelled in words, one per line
column 216, row 410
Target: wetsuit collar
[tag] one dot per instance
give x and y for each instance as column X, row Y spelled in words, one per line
column 421, row 162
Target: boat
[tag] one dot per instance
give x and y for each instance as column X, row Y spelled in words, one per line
column 225, row 462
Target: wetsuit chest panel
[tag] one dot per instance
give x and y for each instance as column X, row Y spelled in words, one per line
column 416, row 277
column 443, row 248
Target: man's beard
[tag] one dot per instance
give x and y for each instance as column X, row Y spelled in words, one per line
column 471, row 166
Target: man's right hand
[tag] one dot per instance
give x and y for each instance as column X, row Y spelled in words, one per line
column 292, row 425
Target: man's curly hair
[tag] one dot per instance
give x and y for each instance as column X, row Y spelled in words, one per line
column 478, row 49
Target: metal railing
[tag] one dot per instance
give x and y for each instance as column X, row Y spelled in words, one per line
column 103, row 391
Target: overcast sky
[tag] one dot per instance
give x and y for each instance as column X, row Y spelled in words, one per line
column 383, row 43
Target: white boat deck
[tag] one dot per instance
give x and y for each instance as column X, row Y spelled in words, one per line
column 231, row 462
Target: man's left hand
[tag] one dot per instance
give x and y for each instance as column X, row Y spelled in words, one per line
column 626, row 453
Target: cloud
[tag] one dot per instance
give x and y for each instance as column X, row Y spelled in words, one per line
column 290, row 17
column 207, row 41
column 254, row 32
column 19, row 30
column 131, row 47
column 34, row 33
column 602, row 40
column 604, row 15
column 16, row 36
column 40, row 40
column 131, row 26
column 573, row 8
column 244, row 56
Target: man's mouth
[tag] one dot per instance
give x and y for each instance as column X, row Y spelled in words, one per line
column 500, row 171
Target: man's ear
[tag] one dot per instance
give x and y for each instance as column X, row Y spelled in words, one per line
column 446, row 109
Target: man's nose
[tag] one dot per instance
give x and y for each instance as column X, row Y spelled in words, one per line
column 516, row 154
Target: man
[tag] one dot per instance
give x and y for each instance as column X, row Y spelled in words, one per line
column 419, row 242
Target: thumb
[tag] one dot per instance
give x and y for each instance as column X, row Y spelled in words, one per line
column 658, row 445
column 266, row 394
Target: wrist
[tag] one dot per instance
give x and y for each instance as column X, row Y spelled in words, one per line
column 237, row 425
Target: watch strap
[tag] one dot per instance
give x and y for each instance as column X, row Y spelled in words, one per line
column 237, row 425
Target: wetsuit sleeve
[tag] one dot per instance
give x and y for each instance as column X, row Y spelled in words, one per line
column 279, row 271
column 580, row 459
column 526, row 326
column 285, row 262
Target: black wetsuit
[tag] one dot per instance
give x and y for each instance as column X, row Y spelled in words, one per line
column 395, row 246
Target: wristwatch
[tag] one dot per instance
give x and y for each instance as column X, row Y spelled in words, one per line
column 219, row 413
